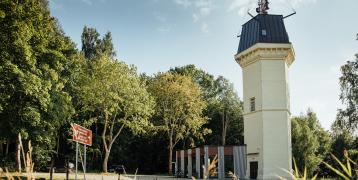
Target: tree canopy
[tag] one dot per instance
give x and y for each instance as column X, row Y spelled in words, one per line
column 310, row 142
column 179, row 107
column 33, row 57
column 111, row 93
column 348, row 117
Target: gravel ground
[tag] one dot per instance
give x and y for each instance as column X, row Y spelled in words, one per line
column 91, row 176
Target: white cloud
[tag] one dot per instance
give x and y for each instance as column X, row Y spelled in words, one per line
column 204, row 11
column 160, row 17
column 204, row 27
column 89, row 2
column 201, row 9
column 164, row 29
column 185, row 3
column 195, row 17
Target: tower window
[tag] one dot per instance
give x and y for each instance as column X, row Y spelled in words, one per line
column 264, row 33
column 252, row 104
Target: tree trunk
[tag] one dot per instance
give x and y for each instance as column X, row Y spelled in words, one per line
column 18, row 156
column 67, row 169
column 170, row 171
column 51, row 167
column 7, row 147
column 2, row 148
column 223, row 135
column 105, row 146
column 170, row 147
column 105, row 161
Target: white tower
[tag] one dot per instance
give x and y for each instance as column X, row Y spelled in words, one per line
column 265, row 55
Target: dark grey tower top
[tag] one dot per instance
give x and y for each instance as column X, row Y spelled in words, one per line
column 263, row 28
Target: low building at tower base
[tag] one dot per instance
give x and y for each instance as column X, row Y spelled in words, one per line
column 194, row 162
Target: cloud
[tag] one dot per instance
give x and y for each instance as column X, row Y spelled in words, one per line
column 243, row 6
column 205, row 11
column 195, row 17
column 296, row 3
column 201, row 9
column 204, row 27
column 163, row 25
column 160, row 17
column 89, row 2
column 164, row 29
column 185, row 3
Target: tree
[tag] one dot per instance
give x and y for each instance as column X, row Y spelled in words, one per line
column 112, row 94
column 224, row 107
column 93, row 46
column 205, row 80
column 348, row 117
column 179, row 108
column 229, row 107
column 343, row 140
column 33, row 55
column 310, row 142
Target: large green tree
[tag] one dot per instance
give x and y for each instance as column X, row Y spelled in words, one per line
column 205, row 80
column 343, row 139
column 310, row 142
column 224, row 107
column 227, row 108
column 34, row 54
column 93, row 45
column 179, row 108
column 111, row 93
column 348, row 117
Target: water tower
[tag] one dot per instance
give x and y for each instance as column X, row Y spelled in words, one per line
column 265, row 55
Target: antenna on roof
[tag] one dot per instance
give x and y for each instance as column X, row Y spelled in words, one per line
column 248, row 12
column 263, row 7
column 294, row 12
column 293, row 9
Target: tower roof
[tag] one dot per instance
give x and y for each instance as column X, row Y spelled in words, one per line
column 263, row 28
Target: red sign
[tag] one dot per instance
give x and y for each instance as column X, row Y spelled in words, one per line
column 81, row 134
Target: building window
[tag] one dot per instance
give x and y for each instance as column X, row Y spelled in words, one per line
column 252, row 104
column 264, row 33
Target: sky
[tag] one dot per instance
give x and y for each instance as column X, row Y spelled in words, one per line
column 155, row 35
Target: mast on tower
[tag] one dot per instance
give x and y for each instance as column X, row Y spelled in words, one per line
column 263, row 7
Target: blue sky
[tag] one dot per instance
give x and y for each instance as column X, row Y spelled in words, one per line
column 155, row 35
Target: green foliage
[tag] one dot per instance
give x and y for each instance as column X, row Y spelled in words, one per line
column 205, row 80
column 33, row 55
column 179, row 107
column 346, row 171
column 111, row 93
column 224, row 107
column 93, row 46
column 111, row 87
column 348, row 117
column 344, row 140
column 310, row 142
column 297, row 174
column 225, row 110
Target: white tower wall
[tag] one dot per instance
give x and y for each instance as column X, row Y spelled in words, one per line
column 267, row 127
